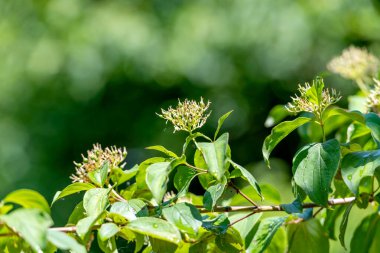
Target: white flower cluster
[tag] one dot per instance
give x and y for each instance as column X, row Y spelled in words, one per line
column 373, row 99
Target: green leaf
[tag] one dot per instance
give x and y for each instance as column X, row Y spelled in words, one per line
column 265, row 233
column 157, row 177
column 220, row 123
column 71, row 189
column 183, row 178
column 205, row 179
column 84, row 226
column 314, row 168
column 343, row 224
column 120, row 176
column 212, row 195
column 77, row 214
column 123, row 209
column 364, row 235
column 294, row 207
column 372, row 121
column 214, row 154
column 99, row 175
column 65, row 242
column 161, row 246
column 184, row 216
column 107, row 246
column 107, row 230
column 331, row 217
column 141, row 173
column 278, row 243
column 31, row 224
column 307, row 237
column 278, row 133
column 95, row 201
column 163, row 150
column 28, row 199
column 230, row 242
column 358, row 165
column 246, row 227
column 217, row 225
column 352, row 115
column 276, row 114
column 246, row 175
column 193, row 137
column 155, row 228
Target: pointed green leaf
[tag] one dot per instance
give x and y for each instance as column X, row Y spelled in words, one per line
column 28, row 199
column 276, row 114
column 212, row 195
column 99, row 175
column 107, row 230
column 95, row 201
column 65, row 242
column 358, row 165
column 314, row 168
column 217, row 225
column 163, row 150
column 220, row 123
column 265, row 232
column 184, row 216
column 230, row 242
column 278, row 133
column 331, row 217
column 157, row 177
column 156, row 228
column 364, row 235
column 120, row 176
column 372, row 121
column 214, row 154
column 343, row 224
column 31, row 224
column 247, row 176
column 85, row 225
column 183, row 178
column 246, row 226
column 130, row 210
column 352, row 115
column 294, row 207
column 71, row 189
column 307, row 237
column 107, row 246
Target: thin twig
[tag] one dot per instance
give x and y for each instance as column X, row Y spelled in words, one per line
column 243, row 195
column 195, row 168
column 242, row 218
column 317, row 212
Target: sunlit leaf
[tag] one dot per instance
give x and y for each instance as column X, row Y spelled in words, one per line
column 247, row 176
column 107, row 230
column 220, row 123
column 212, row 195
column 28, row 199
column 71, row 189
column 65, row 242
column 184, row 216
column 99, row 175
column 95, row 201
column 163, row 150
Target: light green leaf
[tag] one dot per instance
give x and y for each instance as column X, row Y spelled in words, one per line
column 278, row 133
column 358, row 165
column 352, row 115
column 246, row 226
column 230, row 242
column 314, row 167
column 65, row 242
column 157, row 177
column 28, row 199
column 372, row 121
column 364, row 235
column 31, row 224
column 212, row 194
column 343, row 225
column 99, row 175
column 214, row 154
column 307, row 237
column 107, row 246
column 71, row 189
column 220, row 123
column 247, row 176
column 276, row 114
column 141, row 173
column 95, row 201
column 265, row 232
column 123, row 209
column 163, row 150
column 85, row 225
column 193, row 137
column 120, row 176
column 278, row 243
column 184, row 216
column 156, row 228
column 161, row 246
column 77, row 214
column 107, row 230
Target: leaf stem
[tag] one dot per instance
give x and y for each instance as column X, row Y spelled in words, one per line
column 238, row 191
column 196, row 168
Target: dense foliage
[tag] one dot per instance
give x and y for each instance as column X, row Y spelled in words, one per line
column 149, row 207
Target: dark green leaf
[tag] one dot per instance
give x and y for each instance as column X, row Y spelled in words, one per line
column 230, row 242
column 331, row 217
column 99, row 175
column 193, row 137
column 214, row 154
column 247, row 176
column 372, row 121
column 307, row 237
column 107, row 230
column 65, row 242
column 212, row 195
column 265, row 233
column 163, row 150
column 364, row 235
column 155, row 228
column 218, row 225
column 343, row 224
column 183, row 178
column 314, row 167
column 220, row 123
column 95, row 201
column 276, row 114
column 358, row 165
column 107, row 246
column 294, row 207
column 28, row 199
column 184, row 216
column 278, row 133
column 31, row 224
column 71, row 189
column 245, row 226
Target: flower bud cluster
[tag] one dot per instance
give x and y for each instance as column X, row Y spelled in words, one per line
column 373, row 99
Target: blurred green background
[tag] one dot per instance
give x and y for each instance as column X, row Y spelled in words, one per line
column 73, row 73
